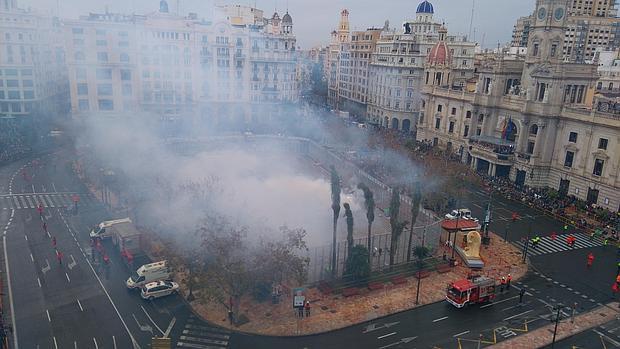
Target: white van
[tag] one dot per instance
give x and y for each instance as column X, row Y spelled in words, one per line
column 149, row 273
column 99, row 231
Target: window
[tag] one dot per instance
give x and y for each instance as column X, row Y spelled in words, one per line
column 83, row 105
column 611, row 86
column 102, row 43
column 535, row 51
column 572, row 137
column 468, row 114
column 439, row 108
column 14, row 95
column 453, row 112
column 437, row 123
column 478, row 131
column 106, row 104
column 554, row 48
column 104, row 89
column 12, row 83
column 16, row 107
column 79, row 56
column 104, row 74
column 124, row 57
column 125, row 74
column 11, row 72
column 102, row 57
column 100, row 31
column 530, row 147
column 466, row 131
column 602, row 143
column 568, row 159
column 451, row 127
column 82, row 89
column 26, row 72
column 1, row 94
column 28, row 94
column 77, row 31
column 123, row 43
column 598, row 167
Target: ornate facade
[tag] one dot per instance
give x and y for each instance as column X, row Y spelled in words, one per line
column 533, row 119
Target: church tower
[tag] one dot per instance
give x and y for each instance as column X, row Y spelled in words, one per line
column 343, row 27
column 547, row 33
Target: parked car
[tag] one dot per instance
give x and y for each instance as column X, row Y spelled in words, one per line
column 461, row 213
column 159, row 289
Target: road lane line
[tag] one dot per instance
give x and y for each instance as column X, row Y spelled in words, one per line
column 80, row 304
column 514, row 316
column 49, row 319
column 55, row 343
column 67, row 275
column 31, row 258
column 114, row 341
column 502, row 301
column 386, row 335
column 96, row 345
column 460, row 334
column 151, row 319
column 440, row 319
column 39, row 282
column 26, row 237
column 170, row 326
column 8, row 277
column 74, row 345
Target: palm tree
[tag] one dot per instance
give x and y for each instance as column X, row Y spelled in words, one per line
column 415, row 209
column 369, row 202
column 420, row 253
column 335, row 184
column 349, row 215
column 395, row 224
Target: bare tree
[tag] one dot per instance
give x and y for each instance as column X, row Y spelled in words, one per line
column 369, row 202
column 336, row 189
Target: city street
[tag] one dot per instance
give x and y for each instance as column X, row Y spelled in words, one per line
column 65, row 305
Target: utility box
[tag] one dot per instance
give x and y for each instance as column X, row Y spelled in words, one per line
column 161, row 343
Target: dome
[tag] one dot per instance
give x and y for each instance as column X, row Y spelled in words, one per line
column 287, row 19
column 439, row 55
column 425, row 7
column 275, row 16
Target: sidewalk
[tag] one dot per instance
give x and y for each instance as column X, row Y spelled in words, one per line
column 330, row 312
column 543, row 336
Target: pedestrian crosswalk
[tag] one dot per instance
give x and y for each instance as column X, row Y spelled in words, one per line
column 198, row 335
column 48, row 200
column 548, row 245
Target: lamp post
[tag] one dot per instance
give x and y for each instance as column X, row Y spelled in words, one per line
column 555, row 329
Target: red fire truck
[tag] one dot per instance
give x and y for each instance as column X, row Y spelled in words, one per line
column 477, row 289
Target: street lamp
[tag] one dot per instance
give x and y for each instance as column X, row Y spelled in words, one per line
column 555, row 329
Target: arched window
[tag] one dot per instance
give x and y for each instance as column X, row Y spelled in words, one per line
column 534, row 129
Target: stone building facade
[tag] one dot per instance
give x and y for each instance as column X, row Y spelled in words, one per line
column 533, row 119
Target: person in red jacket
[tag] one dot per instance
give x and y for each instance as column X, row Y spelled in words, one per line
column 590, row 260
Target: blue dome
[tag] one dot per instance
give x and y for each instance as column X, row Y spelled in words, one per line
column 425, row 7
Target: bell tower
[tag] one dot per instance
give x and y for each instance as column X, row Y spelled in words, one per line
column 343, row 26
column 547, row 34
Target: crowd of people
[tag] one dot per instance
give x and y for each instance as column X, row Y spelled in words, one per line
column 12, row 143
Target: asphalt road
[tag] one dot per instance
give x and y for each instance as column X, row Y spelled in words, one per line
column 90, row 307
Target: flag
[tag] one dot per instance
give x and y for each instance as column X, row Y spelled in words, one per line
column 504, row 128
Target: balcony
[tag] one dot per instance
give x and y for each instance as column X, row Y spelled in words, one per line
column 493, row 149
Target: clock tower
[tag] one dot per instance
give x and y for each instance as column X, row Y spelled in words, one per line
column 547, row 34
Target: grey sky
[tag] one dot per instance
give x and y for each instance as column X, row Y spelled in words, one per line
column 314, row 19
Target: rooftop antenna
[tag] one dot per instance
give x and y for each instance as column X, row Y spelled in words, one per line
column 471, row 19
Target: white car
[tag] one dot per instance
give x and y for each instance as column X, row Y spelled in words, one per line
column 159, row 289
column 462, row 213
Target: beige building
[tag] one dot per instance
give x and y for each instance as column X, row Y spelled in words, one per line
column 180, row 66
column 591, row 25
column 337, row 70
column 33, row 78
column 397, row 70
column 533, row 119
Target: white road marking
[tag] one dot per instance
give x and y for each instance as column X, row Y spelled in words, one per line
column 170, row 326
column 96, row 345
column 514, row 316
column 74, row 345
column 39, row 282
column 151, row 319
column 55, row 343
column 49, row 319
column 26, row 237
column 386, row 335
column 8, row 277
column 440, row 319
column 460, row 334
column 114, row 341
column 80, row 304
column 502, row 301
column 31, row 258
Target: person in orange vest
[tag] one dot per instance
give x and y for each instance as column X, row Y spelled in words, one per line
column 553, row 236
column 502, row 284
column 514, row 216
column 59, row 256
column 508, row 281
column 590, row 260
column 570, row 241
